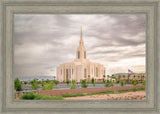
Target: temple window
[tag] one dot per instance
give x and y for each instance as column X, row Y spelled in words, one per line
column 96, row 71
column 85, row 72
column 72, row 70
column 67, row 74
column 84, row 54
column 78, row 54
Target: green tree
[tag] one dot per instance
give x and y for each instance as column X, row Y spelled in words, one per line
column 47, row 81
column 119, row 77
column 73, row 84
column 128, row 77
column 124, row 76
column 122, row 83
column 39, row 82
column 54, row 77
column 104, row 78
column 88, row 78
column 84, row 84
column 135, row 82
column 34, row 84
column 48, row 86
column 56, row 82
column 67, row 82
column 144, row 82
column 17, row 85
column 134, row 76
column 93, row 81
column 109, row 84
column 25, row 82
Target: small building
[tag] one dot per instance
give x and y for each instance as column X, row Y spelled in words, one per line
column 81, row 67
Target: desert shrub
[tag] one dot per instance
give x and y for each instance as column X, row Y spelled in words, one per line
column 144, row 82
column 48, row 86
column 73, row 84
column 84, row 84
column 109, row 84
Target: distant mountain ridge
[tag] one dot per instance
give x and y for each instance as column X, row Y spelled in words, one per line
column 29, row 78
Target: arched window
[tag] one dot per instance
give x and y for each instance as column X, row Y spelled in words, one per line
column 85, row 72
column 96, row 72
column 67, row 74
column 72, row 70
column 85, row 54
column 78, row 54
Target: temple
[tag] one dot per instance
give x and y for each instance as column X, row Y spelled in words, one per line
column 81, row 67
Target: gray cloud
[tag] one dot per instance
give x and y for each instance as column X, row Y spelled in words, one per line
column 42, row 42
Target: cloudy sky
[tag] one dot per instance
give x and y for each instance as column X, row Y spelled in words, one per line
column 42, row 42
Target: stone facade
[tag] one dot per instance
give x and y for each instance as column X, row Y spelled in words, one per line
column 81, row 67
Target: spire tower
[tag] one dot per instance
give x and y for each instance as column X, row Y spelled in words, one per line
column 81, row 32
column 81, row 42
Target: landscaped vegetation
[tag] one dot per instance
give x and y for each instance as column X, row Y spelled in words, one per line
column 73, row 84
column 47, row 85
column 34, row 96
column 84, row 84
column 17, row 85
column 109, row 84
column 36, row 84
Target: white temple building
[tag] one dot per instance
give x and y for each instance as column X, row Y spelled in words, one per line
column 81, row 67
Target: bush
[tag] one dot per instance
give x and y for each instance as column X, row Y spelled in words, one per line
column 122, row 83
column 33, row 96
column 110, row 84
column 56, row 82
column 45, row 97
column 47, row 86
column 134, row 82
column 73, row 84
column 83, row 84
column 25, row 82
column 67, row 82
column 92, row 80
column 29, row 95
column 72, row 95
column 117, row 81
column 144, row 82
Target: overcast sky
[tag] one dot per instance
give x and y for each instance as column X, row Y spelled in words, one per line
column 42, row 42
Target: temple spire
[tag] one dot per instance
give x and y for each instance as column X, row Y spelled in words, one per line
column 81, row 39
column 81, row 32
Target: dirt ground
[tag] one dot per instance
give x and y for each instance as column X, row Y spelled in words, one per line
column 85, row 90
column 138, row 95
